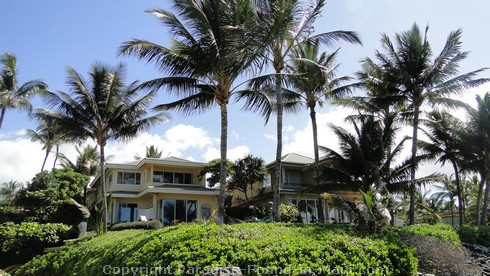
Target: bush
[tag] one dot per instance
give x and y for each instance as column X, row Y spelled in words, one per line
column 442, row 232
column 258, row 248
column 475, row 235
column 21, row 242
column 289, row 213
column 154, row 224
column 10, row 214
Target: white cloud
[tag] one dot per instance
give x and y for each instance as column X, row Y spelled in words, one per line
column 21, row 160
column 232, row 154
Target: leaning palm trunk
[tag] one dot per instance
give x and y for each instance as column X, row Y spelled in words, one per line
column 2, row 115
column 459, row 194
column 45, row 158
column 56, row 156
column 317, row 161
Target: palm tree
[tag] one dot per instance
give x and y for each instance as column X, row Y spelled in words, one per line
column 364, row 163
column 284, row 24
column 48, row 135
column 476, row 139
column 430, row 205
column 86, row 162
column 213, row 45
column 151, row 152
column 444, row 145
column 447, row 191
column 410, row 68
column 12, row 96
column 102, row 108
column 9, row 190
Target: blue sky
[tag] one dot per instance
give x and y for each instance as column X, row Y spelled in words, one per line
column 47, row 36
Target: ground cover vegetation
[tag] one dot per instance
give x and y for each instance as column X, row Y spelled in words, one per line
column 215, row 43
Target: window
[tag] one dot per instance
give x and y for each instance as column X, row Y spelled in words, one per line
column 129, row 178
column 293, row 179
column 128, row 212
column 172, row 177
column 308, row 209
column 171, row 211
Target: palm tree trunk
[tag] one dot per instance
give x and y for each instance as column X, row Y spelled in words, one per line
column 411, row 211
column 56, row 155
column 276, row 199
column 459, row 194
column 484, row 211
column 102, row 184
column 223, row 165
column 45, row 158
column 478, row 198
column 2, row 115
column 317, row 161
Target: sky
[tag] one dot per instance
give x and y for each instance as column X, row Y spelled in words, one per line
column 48, row 36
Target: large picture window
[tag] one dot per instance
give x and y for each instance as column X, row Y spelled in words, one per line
column 172, row 177
column 128, row 212
column 130, row 178
column 172, row 211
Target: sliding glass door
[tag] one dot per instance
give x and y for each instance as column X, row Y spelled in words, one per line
column 172, row 211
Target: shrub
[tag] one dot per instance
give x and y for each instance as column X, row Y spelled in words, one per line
column 10, row 214
column 20, row 242
column 289, row 213
column 442, row 232
column 258, row 248
column 475, row 234
column 154, row 224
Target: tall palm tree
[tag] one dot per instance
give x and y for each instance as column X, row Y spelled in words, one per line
column 102, row 108
column 213, row 44
column 12, row 96
column 284, row 24
column 444, row 144
column 477, row 151
column 48, row 135
column 9, row 190
column 421, row 78
column 363, row 162
column 151, row 152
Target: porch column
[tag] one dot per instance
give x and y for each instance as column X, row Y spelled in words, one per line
column 155, row 207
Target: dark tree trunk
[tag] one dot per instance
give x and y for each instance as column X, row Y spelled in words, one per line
column 102, row 185
column 484, row 211
column 2, row 115
column 276, row 199
column 45, row 159
column 223, row 164
column 459, row 194
column 413, row 188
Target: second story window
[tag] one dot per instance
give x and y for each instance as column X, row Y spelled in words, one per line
column 293, row 179
column 130, row 178
column 172, row 177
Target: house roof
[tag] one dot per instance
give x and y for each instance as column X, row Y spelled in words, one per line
column 294, row 158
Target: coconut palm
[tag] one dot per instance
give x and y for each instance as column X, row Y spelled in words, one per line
column 102, row 108
column 49, row 136
column 363, row 162
column 444, row 144
column 284, row 24
column 421, row 78
column 213, row 44
column 430, row 205
column 447, row 191
column 477, row 151
column 9, row 190
column 86, row 162
column 151, row 152
column 12, row 96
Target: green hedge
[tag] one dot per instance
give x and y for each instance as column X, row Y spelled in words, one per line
column 257, row 248
column 20, row 242
column 475, row 234
column 154, row 224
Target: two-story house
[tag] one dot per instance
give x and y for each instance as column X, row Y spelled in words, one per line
column 296, row 175
column 165, row 189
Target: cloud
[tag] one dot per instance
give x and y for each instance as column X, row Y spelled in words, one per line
column 21, row 160
column 232, row 154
